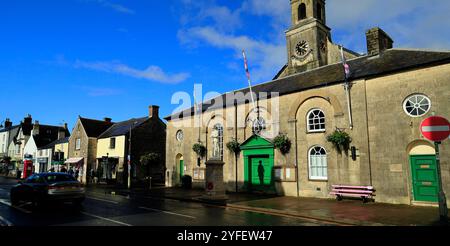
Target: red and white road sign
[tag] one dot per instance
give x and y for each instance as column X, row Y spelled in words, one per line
column 435, row 128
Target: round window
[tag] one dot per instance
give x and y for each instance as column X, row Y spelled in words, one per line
column 180, row 135
column 417, row 105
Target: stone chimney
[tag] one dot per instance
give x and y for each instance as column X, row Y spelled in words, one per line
column 107, row 119
column 36, row 128
column 378, row 41
column 8, row 123
column 62, row 132
column 153, row 111
column 28, row 120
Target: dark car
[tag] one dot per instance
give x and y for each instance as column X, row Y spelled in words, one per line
column 48, row 187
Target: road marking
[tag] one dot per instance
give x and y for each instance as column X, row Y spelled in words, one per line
column 5, row 221
column 103, row 218
column 103, row 200
column 167, row 212
column 16, row 207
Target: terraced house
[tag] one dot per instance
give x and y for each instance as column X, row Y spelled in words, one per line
column 379, row 103
column 132, row 138
column 83, row 144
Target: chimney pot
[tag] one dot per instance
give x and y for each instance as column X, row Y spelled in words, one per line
column 8, row 123
column 153, row 111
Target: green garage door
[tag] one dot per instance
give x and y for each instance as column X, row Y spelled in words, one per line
column 424, row 178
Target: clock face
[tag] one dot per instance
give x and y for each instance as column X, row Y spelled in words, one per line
column 302, row 48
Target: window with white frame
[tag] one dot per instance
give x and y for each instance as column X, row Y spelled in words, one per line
column 318, row 167
column 417, row 105
column 316, row 121
column 78, row 144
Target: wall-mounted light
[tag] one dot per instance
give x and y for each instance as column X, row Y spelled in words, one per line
column 353, row 150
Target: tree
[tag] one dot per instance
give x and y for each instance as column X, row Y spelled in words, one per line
column 148, row 160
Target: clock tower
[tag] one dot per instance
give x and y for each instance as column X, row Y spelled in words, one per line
column 309, row 37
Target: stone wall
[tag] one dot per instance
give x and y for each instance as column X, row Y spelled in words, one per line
column 381, row 133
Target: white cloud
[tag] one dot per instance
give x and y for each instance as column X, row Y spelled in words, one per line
column 412, row 23
column 114, row 6
column 152, row 73
column 264, row 57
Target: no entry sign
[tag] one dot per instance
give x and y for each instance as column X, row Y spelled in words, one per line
column 435, row 128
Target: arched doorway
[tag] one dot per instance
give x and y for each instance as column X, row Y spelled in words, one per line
column 424, row 176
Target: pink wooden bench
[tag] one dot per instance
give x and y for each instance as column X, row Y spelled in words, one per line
column 363, row 192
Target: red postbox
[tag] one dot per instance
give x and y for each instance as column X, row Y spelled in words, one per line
column 27, row 168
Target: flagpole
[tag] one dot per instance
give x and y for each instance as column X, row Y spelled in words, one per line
column 248, row 79
column 347, row 87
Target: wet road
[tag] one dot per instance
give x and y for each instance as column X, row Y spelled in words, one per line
column 101, row 209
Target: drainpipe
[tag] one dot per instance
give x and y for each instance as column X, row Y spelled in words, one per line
column 236, row 137
column 296, row 157
column 368, row 136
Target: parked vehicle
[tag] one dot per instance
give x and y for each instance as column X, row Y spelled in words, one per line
column 48, row 187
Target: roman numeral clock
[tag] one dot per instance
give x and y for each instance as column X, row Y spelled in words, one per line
column 302, row 53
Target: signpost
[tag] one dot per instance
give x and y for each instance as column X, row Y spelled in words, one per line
column 437, row 129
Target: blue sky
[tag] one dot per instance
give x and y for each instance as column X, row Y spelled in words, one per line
column 113, row 58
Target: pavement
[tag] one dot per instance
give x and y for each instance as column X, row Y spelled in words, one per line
column 346, row 212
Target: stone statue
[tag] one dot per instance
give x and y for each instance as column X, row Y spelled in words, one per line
column 216, row 145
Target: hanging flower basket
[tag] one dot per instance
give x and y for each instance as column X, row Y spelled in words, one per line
column 282, row 143
column 234, row 146
column 200, row 149
column 340, row 140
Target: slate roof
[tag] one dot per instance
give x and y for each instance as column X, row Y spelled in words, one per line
column 52, row 144
column 95, row 128
column 123, row 127
column 7, row 129
column 389, row 61
column 47, row 134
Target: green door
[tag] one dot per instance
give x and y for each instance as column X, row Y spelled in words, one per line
column 424, row 178
column 181, row 168
column 258, row 164
column 260, row 171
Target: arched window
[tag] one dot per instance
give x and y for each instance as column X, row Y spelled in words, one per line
column 219, row 129
column 319, row 11
column 318, row 167
column 258, row 125
column 301, row 11
column 316, row 121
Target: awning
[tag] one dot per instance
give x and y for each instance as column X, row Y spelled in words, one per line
column 74, row 160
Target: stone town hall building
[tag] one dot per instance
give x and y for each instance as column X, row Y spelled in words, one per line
column 392, row 92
